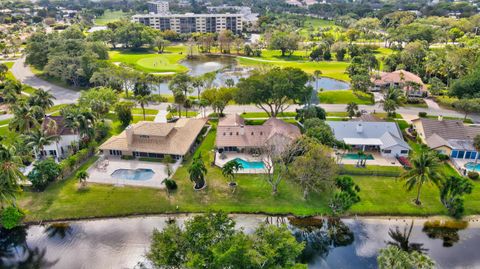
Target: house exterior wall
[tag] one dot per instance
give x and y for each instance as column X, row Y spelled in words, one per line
column 64, row 143
column 394, row 151
column 418, row 126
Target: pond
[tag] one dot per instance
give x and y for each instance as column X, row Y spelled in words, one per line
column 330, row 243
column 227, row 68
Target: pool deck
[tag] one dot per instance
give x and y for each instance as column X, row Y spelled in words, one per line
column 378, row 160
column 247, row 157
column 103, row 176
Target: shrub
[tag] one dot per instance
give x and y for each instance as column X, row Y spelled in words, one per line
column 11, row 217
column 170, row 184
column 473, row 175
column 443, row 157
column 127, row 157
column 43, row 173
column 422, row 114
column 101, row 130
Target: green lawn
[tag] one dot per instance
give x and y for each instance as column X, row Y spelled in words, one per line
column 344, row 97
column 111, row 16
column 140, row 118
column 253, row 115
column 190, row 114
column 148, row 111
column 148, row 61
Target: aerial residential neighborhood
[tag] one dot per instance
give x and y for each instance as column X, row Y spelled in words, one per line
column 239, row 134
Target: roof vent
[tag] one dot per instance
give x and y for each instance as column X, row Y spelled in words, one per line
column 440, row 118
column 359, row 128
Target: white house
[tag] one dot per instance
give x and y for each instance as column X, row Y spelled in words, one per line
column 55, row 125
column 383, row 137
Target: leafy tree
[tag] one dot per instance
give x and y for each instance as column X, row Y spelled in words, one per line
column 24, row 118
column 142, row 101
column 43, row 173
column 3, row 71
column 218, row 98
column 123, row 110
column 345, row 196
column 314, row 171
column 310, row 112
column 425, row 169
column 352, row 109
column 41, row 98
column 467, row 106
column 285, row 42
column 197, row 171
column 320, row 131
column 161, row 44
column 181, row 86
column 273, row 91
column 229, row 170
column 168, row 248
column 100, row 100
column 452, row 191
column 394, row 258
column 468, row 86
column 361, row 82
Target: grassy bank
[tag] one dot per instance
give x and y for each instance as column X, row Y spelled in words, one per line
column 344, row 97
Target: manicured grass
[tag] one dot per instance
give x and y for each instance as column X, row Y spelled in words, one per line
column 189, row 114
column 4, row 122
column 140, row 118
column 148, row 61
column 467, row 120
column 111, row 16
column 332, row 69
column 9, row 74
column 148, row 111
column 344, row 97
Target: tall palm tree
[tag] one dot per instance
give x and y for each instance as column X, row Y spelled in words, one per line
column 38, row 139
column 476, row 145
column 402, row 239
column 316, row 76
column 230, row 169
column 10, row 174
column 82, row 177
column 82, row 121
column 352, row 109
column 197, row 171
column 425, row 169
column 391, row 100
column 42, row 98
column 142, row 101
column 24, row 118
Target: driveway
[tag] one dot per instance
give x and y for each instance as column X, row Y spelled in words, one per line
column 23, row 73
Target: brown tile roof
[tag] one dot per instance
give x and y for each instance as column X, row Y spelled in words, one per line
column 170, row 138
column 396, row 77
column 60, row 126
column 368, row 118
column 231, row 132
column 446, row 132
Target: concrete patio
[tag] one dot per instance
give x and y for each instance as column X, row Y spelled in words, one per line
column 104, row 176
column 378, row 159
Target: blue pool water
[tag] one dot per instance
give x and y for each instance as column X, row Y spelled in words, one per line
column 473, row 166
column 355, row 156
column 250, row 165
column 133, row 174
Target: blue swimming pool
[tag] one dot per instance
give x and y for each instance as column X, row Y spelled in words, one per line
column 133, row 174
column 473, row 166
column 355, row 156
column 250, row 165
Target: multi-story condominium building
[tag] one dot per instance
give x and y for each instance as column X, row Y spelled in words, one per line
column 192, row 23
column 158, row 7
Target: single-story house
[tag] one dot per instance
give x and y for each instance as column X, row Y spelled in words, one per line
column 449, row 137
column 155, row 139
column 234, row 135
column 412, row 84
column 55, row 126
column 384, row 137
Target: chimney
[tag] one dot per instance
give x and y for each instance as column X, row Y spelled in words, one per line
column 242, row 130
column 440, row 118
column 129, row 133
column 359, row 128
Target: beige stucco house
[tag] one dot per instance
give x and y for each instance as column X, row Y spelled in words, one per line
column 155, row 140
column 410, row 83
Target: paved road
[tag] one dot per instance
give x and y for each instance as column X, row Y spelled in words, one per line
column 25, row 75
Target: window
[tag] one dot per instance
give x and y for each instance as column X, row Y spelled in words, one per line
column 473, row 156
column 461, row 154
column 454, row 154
column 145, row 136
column 387, row 151
column 237, row 133
column 231, row 133
column 405, row 151
column 252, row 133
column 467, row 154
column 261, row 133
column 224, row 134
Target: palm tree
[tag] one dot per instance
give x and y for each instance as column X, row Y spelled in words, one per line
column 197, row 171
column 230, row 169
column 391, row 101
column 402, row 239
column 82, row 177
column 316, row 75
column 38, row 139
column 476, row 145
column 352, row 109
column 10, row 174
column 142, row 101
column 425, row 169
column 24, row 118
column 42, row 98
column 82, row 121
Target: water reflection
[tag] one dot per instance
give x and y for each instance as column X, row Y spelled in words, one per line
column 330, row 243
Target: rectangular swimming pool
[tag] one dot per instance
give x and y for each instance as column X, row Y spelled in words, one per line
column 250, row 165
column 355, row 156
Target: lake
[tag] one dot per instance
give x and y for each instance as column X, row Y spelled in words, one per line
column 330, row 243
column 227, row 68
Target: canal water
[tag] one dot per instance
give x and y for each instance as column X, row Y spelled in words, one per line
column 226, row 68
column 330, row 243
